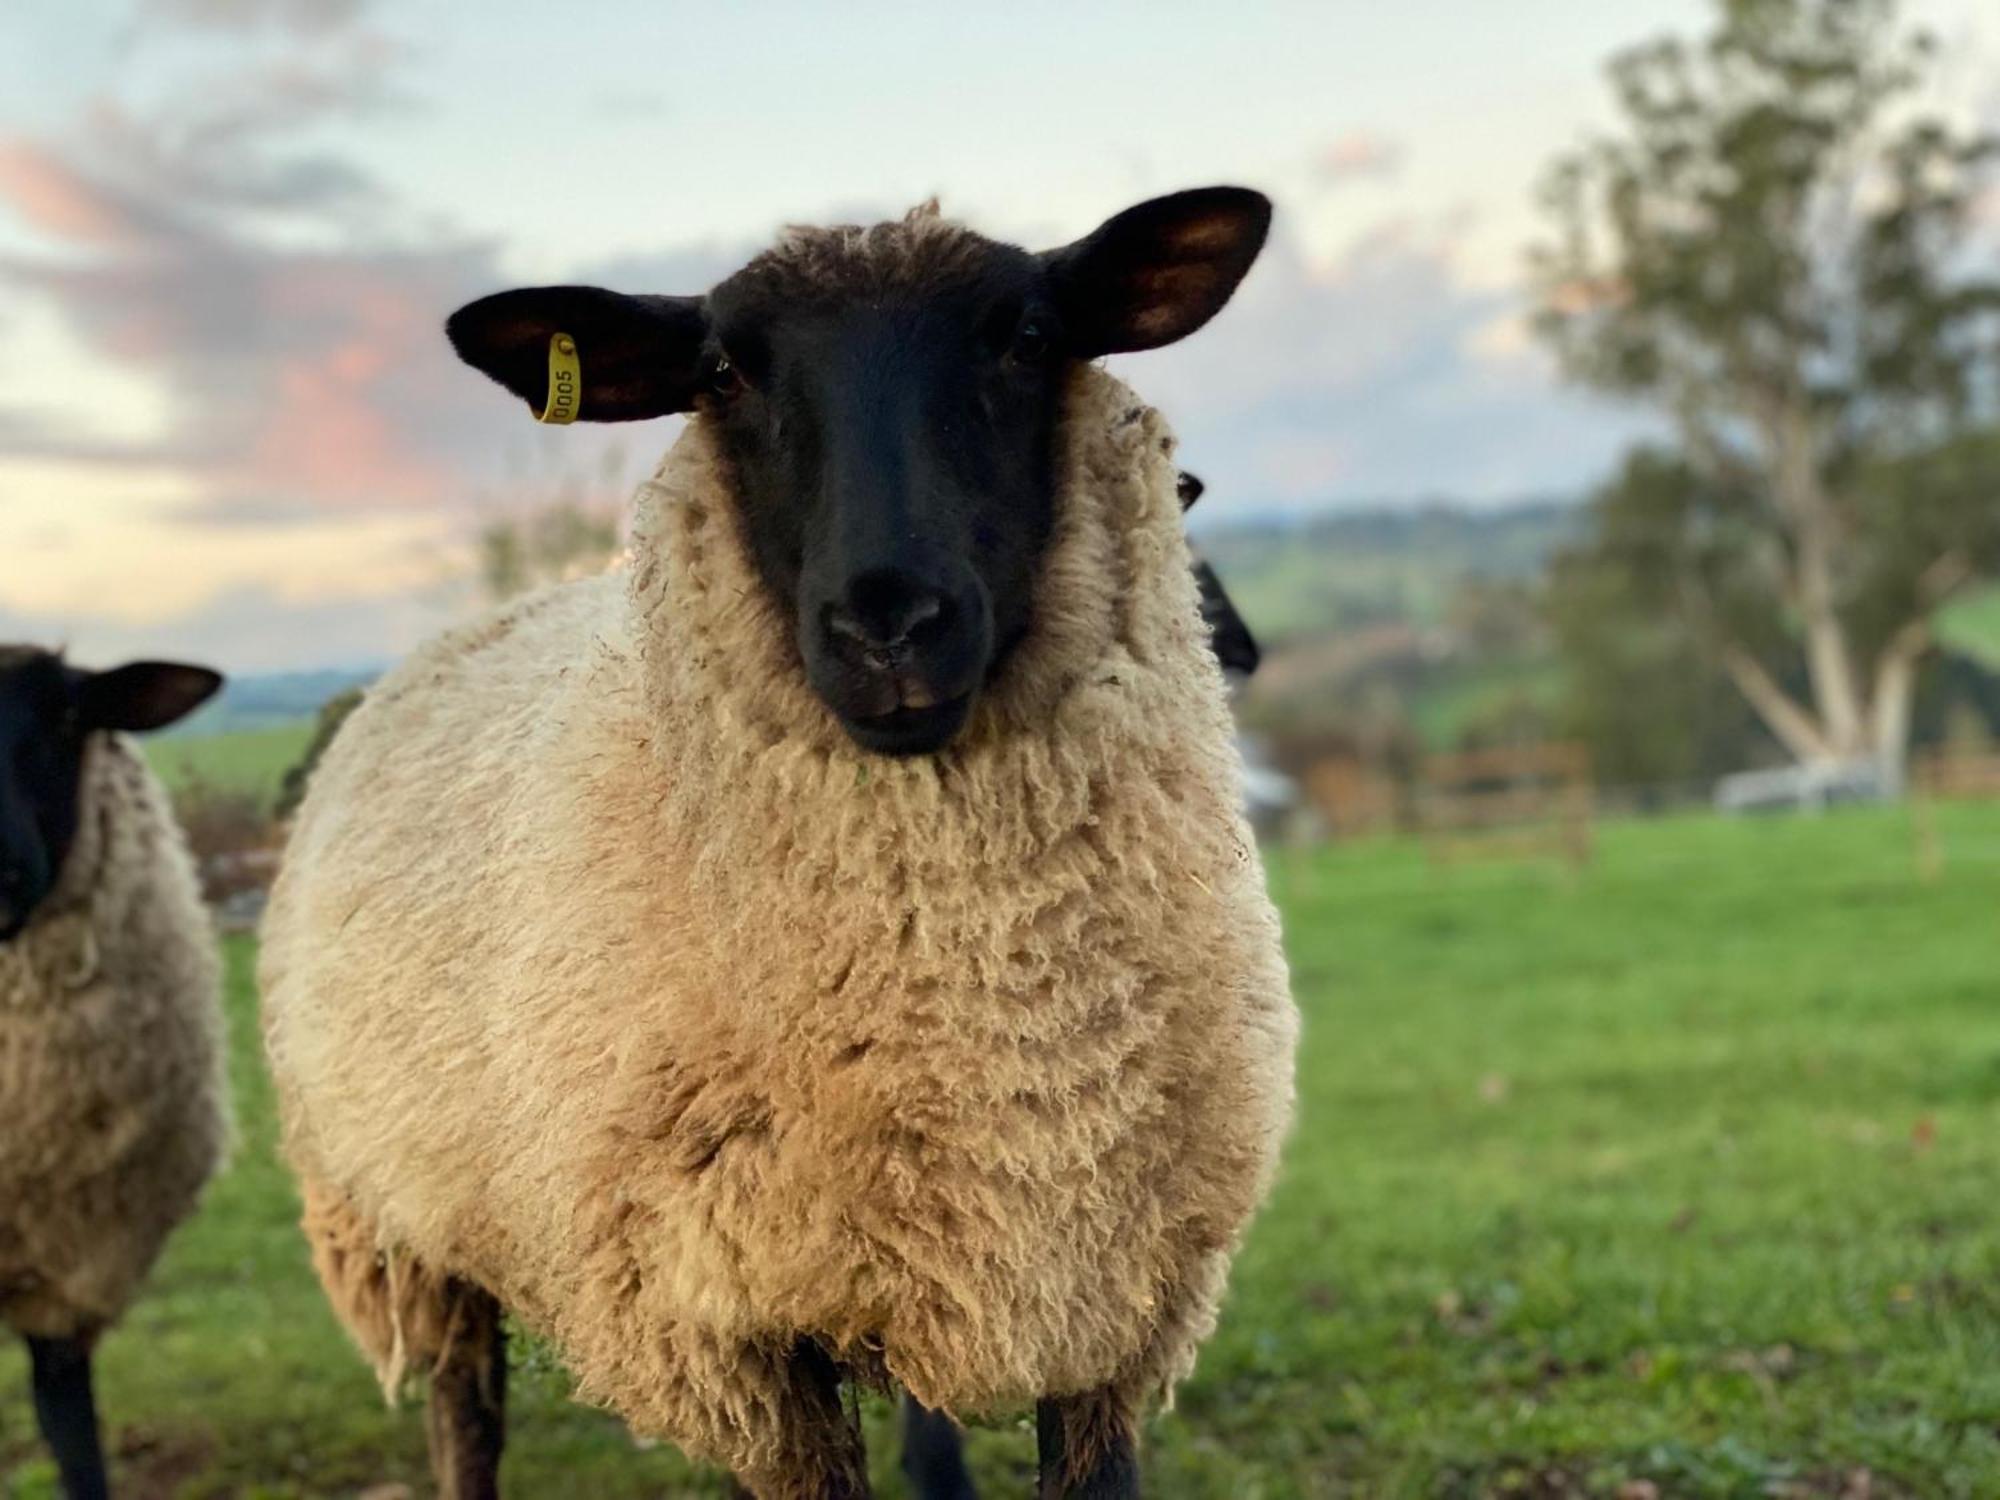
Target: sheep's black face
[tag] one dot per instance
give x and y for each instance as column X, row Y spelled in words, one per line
column 41, row 752
column 47, row 710
column 894, row 458
column 889, row 400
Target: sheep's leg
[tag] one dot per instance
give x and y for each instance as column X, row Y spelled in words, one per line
column 1089, row 1448
column 466, row 1415
column 66, row 1410
column 821, row 1443
column 934, row 1455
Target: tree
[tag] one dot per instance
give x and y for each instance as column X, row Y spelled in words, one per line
column 563, row 539
column 1629, row 604
column 1778, row 252
column 541, row 530
column 298, row 776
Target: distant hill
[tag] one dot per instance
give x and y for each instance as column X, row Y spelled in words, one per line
column 1354, row 570
column 269, row 700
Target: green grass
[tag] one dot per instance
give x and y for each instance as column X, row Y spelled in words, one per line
column 244, row 760
column 1685, row 1168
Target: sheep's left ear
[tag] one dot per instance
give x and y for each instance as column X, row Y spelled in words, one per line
column 1157, row 272
column 141, row 695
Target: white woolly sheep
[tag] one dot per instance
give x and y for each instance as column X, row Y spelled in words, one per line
column 113, row 1110
column 829, row 947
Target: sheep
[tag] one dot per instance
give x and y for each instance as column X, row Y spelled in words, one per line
column 828, row 948
column 1229, row 636
column 113, row 1109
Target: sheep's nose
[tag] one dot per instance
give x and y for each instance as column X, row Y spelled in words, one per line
column 885, row 613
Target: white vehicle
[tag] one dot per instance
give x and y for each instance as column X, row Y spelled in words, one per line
column 1804, row 788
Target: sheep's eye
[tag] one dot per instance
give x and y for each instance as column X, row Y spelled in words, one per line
column 724, row 379
column 1031, row 343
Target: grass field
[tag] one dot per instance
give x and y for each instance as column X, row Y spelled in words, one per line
column 245, row 760
column 1679, row 1177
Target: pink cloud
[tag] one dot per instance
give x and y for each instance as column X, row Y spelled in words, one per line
column 60, row 201
column 1358, row 154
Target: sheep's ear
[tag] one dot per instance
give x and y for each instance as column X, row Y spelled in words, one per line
column 639, row 357
column 141, row 695
column 1189, row 488
column 1157, row 272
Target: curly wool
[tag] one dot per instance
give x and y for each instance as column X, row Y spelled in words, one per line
column 113, row 1105
column 606, row 973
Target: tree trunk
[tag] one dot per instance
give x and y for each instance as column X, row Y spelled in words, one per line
column 1895, row 694
column 1794, row 727
column 1836, row 686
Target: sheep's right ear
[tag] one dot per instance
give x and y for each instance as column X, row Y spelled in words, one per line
column 1157, row 272
column 141, row 695
column 639, row 356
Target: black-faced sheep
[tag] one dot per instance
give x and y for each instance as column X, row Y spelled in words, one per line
column 1228, row 635
column 112, row 1105
column 830, row 947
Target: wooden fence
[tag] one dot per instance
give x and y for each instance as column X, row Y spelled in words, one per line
column 1534, row 800
column 1939, row 776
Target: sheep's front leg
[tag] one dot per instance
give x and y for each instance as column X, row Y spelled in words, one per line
column 819, row 1455
column 1089, row 1448
column 466, row 1414
column 66, row 1410
column 934, row 1454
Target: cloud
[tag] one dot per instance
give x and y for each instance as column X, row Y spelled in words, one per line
column 1384, row 376
column 250, row 629
column 320, row 375
column 266, row 286
column 291, row 17
column 65, row 203
column 1358, row 155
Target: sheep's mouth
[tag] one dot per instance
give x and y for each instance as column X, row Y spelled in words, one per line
column 910, row 729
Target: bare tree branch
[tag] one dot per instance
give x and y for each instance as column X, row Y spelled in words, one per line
column 1795, row 728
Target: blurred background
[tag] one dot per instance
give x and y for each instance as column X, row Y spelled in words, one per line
column 1605, row 454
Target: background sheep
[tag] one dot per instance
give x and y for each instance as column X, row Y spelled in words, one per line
column 112, row 1111
column 835, row 948
column 1228, row 634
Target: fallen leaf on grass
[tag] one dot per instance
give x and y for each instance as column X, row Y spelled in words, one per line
column 1320, row 1297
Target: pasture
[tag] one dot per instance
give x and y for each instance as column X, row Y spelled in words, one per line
column 1676, row 1177
column 251, row 762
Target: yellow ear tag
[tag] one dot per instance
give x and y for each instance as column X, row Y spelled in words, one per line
column 565, row 381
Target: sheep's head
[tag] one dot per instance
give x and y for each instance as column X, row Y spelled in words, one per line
column 888, row 401
column 47, row 711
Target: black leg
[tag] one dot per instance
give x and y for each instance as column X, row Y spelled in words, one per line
column 820, row 1454
column 466, row 1415
column 934, row 1455
column 67, row 1413
column 1088, row 1450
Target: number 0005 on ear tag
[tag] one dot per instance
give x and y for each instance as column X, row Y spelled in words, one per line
column 565, row 381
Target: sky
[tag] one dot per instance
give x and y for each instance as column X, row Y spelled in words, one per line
column 230, row 428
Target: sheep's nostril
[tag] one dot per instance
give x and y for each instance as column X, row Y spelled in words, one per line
column 882, row 619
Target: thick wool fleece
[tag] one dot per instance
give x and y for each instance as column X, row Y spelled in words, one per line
column 113, row 1112
column 606, row 973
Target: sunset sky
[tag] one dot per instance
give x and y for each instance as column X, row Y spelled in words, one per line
column 230, row 229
